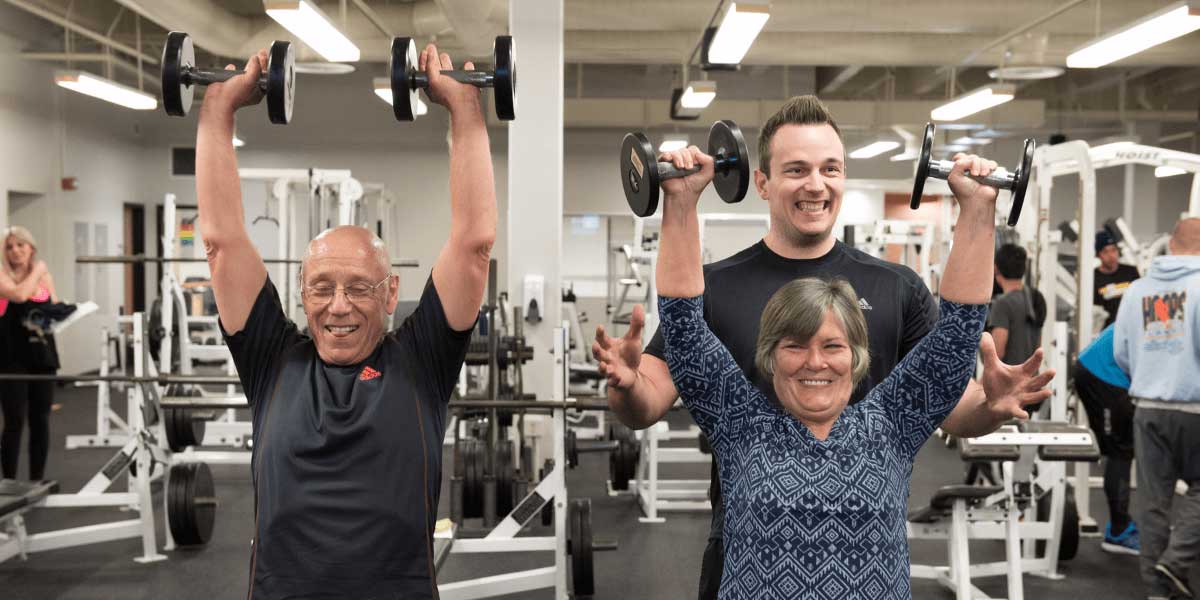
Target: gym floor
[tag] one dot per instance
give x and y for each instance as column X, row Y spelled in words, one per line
column 654, row 561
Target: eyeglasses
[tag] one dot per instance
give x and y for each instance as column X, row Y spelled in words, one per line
column 323, row 293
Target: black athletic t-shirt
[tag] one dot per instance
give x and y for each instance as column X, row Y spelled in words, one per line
column 347, row 460
column 898, row 308
column 1110, row 288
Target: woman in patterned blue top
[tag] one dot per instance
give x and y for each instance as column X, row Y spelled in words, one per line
column 815, row 492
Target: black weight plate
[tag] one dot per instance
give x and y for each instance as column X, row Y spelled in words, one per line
column 175, row 505
column 571, row 449
column 202, row 513
column 281, row 82
column 178, row 56
column 504, row 81
column 189, row 507
column 1021, row 181
column 583, row 581
column 639, row 174
column 725, row 141
column 1068, row 544
column 402, row 63
column 505, row 478
column 473, row 480
column 922, row 168
column 174, row 433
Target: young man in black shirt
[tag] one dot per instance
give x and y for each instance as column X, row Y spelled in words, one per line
column 801, row 175
column 1111, row 276
column 347, row 423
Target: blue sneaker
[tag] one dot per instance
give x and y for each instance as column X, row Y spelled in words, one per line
column 1126, row 543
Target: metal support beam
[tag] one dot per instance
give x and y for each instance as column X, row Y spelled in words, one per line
column 840, row 79
column 81, row 30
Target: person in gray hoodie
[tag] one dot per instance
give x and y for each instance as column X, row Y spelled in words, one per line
column 1157, row 341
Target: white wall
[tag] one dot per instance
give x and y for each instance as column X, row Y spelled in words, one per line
column 47, row 133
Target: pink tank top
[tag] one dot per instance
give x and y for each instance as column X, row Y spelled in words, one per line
column 41, row 295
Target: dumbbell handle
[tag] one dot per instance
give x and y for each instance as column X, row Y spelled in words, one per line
column 998, row 178
column 667, row 170
column 476, row 78
column 210, row 76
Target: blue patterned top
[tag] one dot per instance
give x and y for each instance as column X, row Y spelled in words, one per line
column 806, row 518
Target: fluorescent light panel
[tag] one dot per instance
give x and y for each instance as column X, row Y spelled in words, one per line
column 875, row 149
column 974, row 101
column 307, row 22
column 238, row 142
column 383, row 89
column 1168, row 171
column 673, row 143
column 105, row 89
column 967, row 140
column 1180, row 18
column 739, row 27
column 698, row 94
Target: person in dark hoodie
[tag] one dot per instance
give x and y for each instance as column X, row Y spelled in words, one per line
column 1157, row 342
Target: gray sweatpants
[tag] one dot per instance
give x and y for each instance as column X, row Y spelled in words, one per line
column 1167, row 448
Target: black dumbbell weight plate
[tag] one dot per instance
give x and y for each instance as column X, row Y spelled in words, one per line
column 579, row 520
column 922, row 168
column 1021, row 181
column 402, row 63
column 203, row 508
column 505, row 478
column 639, row 174
column 725, row 139
column 505, row 79
column 178, row 57
column 281, row 82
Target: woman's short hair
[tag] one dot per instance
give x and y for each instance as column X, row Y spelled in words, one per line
column 797, row 310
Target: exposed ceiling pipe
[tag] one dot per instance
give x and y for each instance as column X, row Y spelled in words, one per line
column 81, row 30
column 476, row 23
column 211, row 26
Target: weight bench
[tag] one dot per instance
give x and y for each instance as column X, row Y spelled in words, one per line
column 961, row 513
column 17, row 498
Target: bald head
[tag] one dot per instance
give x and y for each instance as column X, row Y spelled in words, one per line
column 1185, row 239
column 350, row 242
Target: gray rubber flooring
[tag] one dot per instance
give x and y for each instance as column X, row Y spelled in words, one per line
column 654, row 560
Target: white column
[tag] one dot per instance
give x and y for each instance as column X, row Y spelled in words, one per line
column 535, row 178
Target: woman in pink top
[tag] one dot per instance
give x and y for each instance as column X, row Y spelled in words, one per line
column 24, row 283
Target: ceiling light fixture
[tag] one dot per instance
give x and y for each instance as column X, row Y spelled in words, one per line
column 875, row 149
column 1177, row 19
column 313, row 27
column 974, row 101
column 105, row 89
column 736, row 33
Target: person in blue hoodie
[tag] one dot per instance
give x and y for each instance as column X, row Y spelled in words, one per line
column 1157, row 342
column 1104, row 390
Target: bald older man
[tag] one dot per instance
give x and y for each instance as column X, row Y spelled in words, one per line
column 347, row 421
column 1156, row 340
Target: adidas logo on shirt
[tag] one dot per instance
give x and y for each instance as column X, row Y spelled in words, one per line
column 368, row 373
column 863, row 304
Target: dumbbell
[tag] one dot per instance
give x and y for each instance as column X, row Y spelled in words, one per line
column 180, row 76
column 1016, row 181
column 642, row 174
column 407, row 78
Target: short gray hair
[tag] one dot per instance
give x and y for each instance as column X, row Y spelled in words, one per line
column 796, row 311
